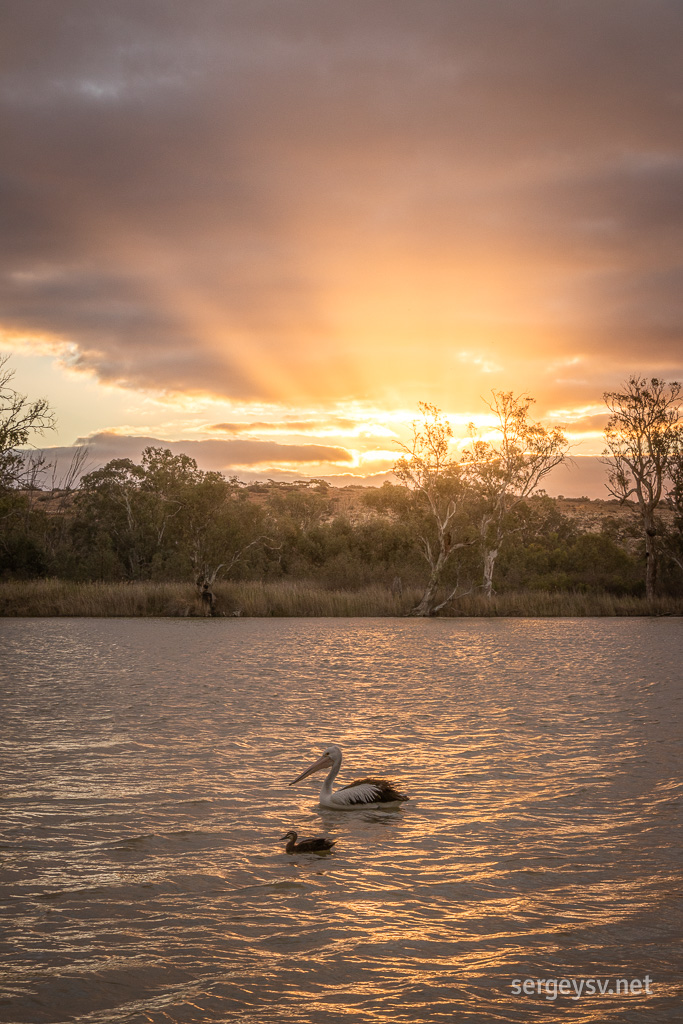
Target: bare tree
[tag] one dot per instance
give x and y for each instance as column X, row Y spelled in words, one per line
column 642, row 437
column 79, row 465
column 62, row 489
column 428, row 470
column 509, row 470
column 209, row 572
column 19, row 420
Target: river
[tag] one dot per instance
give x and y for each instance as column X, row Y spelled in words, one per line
column 146, row 790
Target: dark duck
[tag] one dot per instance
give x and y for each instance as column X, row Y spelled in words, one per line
column 317, row 845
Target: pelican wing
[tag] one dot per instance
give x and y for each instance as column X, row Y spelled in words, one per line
column 365, row 791
column 371, row 791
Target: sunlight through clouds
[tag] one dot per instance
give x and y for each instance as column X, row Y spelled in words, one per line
column 295, row 222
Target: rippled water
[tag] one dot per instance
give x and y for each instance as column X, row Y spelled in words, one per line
column 146, row 791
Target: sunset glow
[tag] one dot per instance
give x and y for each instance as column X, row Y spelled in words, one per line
column 262, row 235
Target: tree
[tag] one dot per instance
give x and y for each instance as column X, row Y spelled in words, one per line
column 674, row 537
column 21, row 472
column 642, row 437
column 167, row 518
column 299, row 504
column 109, row 517
column 19, row 419
column 435, row 479
column 507, row 472
column 220, row 526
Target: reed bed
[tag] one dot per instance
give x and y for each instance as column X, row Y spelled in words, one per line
column 38, row 598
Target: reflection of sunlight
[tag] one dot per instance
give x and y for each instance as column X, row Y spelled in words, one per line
column 153, row 805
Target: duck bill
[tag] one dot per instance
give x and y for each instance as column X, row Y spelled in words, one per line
column 323, row 762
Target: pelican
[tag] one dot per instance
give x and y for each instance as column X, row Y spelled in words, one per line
column 318, row 845
column 361, row 793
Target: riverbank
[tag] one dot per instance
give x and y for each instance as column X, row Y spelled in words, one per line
column 37, row 598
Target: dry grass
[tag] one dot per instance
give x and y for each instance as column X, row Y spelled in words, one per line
column 62, row 597
column 59, row 597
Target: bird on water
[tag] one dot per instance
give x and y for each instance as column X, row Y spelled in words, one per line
column 361, row 793
column 318, row 845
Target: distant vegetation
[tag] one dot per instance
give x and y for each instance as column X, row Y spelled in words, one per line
column 144, row 539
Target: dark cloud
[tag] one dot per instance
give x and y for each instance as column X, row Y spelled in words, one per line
column 213, row 454
column 193, row 194
column 588, row 423
column 229, row 457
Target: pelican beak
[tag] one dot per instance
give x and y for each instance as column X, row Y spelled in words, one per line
column 324, row 762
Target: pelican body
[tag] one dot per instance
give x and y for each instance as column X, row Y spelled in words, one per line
column 318, row 845
column 361, row 793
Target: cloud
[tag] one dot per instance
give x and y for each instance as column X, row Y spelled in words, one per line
column 580, row 475
column 308, row 199
column 331, row 424
column 224, row 456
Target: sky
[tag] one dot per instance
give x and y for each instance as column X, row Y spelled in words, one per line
column 261, row 231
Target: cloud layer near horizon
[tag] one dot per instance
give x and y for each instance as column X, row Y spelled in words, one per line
column 307, row 200
column 251, row 460
column 221, row 455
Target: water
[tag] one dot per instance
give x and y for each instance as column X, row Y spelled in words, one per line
column 146, row 791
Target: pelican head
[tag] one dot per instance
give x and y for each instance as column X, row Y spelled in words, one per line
column 330, row 757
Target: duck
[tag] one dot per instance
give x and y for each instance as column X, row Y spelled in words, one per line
column 317, row 845
column 361, row 793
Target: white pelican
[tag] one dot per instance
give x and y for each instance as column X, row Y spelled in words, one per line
column 361, row 793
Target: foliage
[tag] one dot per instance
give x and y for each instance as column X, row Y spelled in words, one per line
column 441, row 500
column 642, row 440
column 508, row 471
column 165, row 518
column 305, row 548
column 673, row 536
column 19, row 420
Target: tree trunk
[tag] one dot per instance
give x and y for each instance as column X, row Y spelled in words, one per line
column 428, row 600
column 650, row 557
column 490, row 556
column 427, row 605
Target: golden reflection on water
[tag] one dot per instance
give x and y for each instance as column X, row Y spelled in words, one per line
column 148, row 788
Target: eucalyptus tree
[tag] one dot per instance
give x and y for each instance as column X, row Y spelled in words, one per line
column 508, row 470
column 22, row 468
column 440, row 492
column 20, row 419
column 642, row 442
column 109, row 517
column 675, row 500
column 221, row 526
column 165, row 517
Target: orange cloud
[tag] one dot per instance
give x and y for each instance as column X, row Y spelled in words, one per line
column 307, row 205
